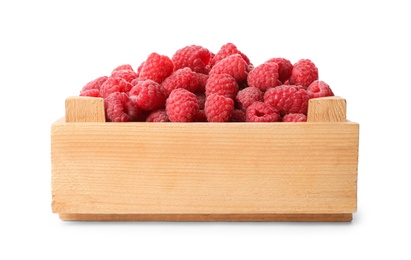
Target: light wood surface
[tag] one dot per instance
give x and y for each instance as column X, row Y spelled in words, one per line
column 205, row 171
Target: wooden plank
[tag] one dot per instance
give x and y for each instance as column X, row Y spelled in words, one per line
column 85, row 109
column 203, row 168
column 211, row 217
column 327, row 109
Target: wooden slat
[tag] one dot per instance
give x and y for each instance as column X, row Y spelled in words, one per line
column 327, row 109
column 211, row 217
column 85, row 109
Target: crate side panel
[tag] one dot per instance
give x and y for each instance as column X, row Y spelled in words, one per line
column 156, row 168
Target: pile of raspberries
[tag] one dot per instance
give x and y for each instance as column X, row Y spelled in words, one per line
column 197, row 85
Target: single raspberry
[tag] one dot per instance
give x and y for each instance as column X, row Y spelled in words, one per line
column 114, row 84
column 159, row 115
column 181, row 105
column 156, row 67
column 261, row 112
column 200, row 117
column 304, row 72
column 284, row 68
column 123, row 67
column 90, row 93
column 294, row 117
column 119, row 108
column 249, row 95
column 222, row 84
column 181, row 78
column 218, row 108
column 233, row 65
column 195, row 57
column 127, row 75
column 287, row 99
column 202, row 80
column 264, row 76
column 148, row 95
column 319, row 89
column 90, row 88
column 201, row 98
column 238, row 115
column 227, row 50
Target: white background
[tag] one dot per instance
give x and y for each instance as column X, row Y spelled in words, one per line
column 50, row 49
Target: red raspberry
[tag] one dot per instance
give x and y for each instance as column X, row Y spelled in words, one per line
column 90, row 93
column 181, row 78
column 156, row 67
column 284, row 68
column 93, row 85
column 264, row 76
column 249, row 95
column 233, row 65
column 304, row 72
column 221, row 84
column 181, row 105
column 319, row 89
column 218, row 108
column 148, row 95
column 261, row 112
column 227, row 50
column 202, row 80
column 123, row 67
column 294, row 117
column 127, row 75
column 195, row 57
column 159, row 115
column 114, row 84
column 119, row 108
column 287, row 99
column 238, row 116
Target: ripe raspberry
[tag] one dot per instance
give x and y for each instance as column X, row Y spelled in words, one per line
column 227, row 50
column 114, row 84
column 181, row 105
column 284, row 68
column 218, row 108
column 202, row 80
column 287, row 99
column 181, row 78
column 119, row 108
column 148, row 95
column 221, row 84
column 159, row 115
column 195, row 57
column 264, row 76
column 156, row 67
column 127, row 75
column 261, row 112
column 123, row 67
column 233, row 65
column 304, row 72
column 93, row 85
column 319, row 89
column 238, row 116
column 249, row 95
column 294, row 117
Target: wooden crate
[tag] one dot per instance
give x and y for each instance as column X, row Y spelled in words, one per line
column 204, row 171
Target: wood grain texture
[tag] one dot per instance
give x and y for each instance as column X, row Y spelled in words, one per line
column 327, row 109
column 205, row 171
column 85, row 109
column 211, row 217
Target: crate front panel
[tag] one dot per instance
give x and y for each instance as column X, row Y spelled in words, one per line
column 203, row 168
